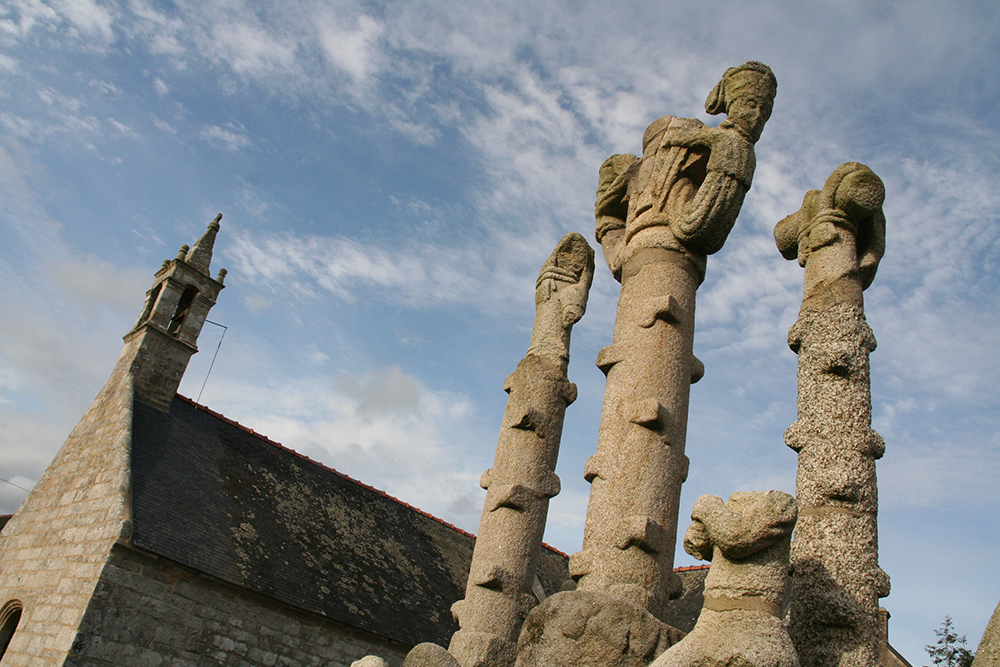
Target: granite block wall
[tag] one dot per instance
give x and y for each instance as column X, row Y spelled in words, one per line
column 56, row 544
column 151, row 612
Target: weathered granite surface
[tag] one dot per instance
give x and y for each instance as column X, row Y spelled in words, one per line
column 748, row 542
column 577, row 628
column 988, row 653
column 838, row 236
column 429, row 655
column 498, row 595
column 658, row 218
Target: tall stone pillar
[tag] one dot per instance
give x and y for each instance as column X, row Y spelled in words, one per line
column 838, row 236
column 658, row 217
column 522, row 480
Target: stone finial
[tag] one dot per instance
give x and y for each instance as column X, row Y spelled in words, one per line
column 561, row 298
column 222, row 276
column 748, row 541
column 182, row 253
column 838, row 235
column 200, row 256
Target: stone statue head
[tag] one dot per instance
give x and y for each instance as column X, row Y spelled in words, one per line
column 746, row 95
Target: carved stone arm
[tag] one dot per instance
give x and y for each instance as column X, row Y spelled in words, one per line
column 710, row 215
column 611, row 207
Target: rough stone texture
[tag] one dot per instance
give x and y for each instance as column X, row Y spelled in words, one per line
column 658, row 218
column 58, row 541
column 838, row 236
column 748, row 542
column 370, row 661
column 988, row 653
column 152, row 612
column 522, row 480
column 589, row 628
column 429, row 655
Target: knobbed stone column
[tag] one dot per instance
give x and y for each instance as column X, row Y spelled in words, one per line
column 523, row 479
column 838, row 236
column 658, row 218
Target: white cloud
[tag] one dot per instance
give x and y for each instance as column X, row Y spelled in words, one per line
column 160, row 87
column 354, row 49
column 250, row 49
column 230, row 137
column 123, row 129
column 417, row 275
column 163, row 126
column 27, row 14
column 90, row 17
column 105, row 87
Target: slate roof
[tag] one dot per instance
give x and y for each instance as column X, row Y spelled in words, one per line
column 215, row 496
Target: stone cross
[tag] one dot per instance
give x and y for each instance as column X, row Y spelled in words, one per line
column 838, row 236
column 658, row 217
column 522, row 480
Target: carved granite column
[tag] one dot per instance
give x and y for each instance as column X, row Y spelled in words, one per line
column 838, row 236
column 498, row 595
column 658, row 218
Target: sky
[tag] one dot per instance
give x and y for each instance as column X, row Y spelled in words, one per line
column 392, row 177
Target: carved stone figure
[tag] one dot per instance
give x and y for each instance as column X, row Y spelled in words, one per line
column 748, row 542
column 523, row 479
column 658, row 218
column 838, row 236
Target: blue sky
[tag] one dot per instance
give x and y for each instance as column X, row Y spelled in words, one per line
column 393, row 175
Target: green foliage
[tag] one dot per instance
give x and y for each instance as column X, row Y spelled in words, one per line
column 950, row 650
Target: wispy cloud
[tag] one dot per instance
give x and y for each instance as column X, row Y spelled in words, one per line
column 229, row 137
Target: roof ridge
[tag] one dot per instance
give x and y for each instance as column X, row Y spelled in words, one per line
column 263, row 437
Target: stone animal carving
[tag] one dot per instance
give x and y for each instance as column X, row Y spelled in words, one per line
column 748, row 541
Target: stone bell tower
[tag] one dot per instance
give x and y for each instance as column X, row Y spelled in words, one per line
column 81, row 507
column 159, row 346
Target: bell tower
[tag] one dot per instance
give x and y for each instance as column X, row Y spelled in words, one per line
column 159, row 346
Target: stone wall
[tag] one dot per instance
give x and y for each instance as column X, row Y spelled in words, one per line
column 54, row 547
column 149, row 611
